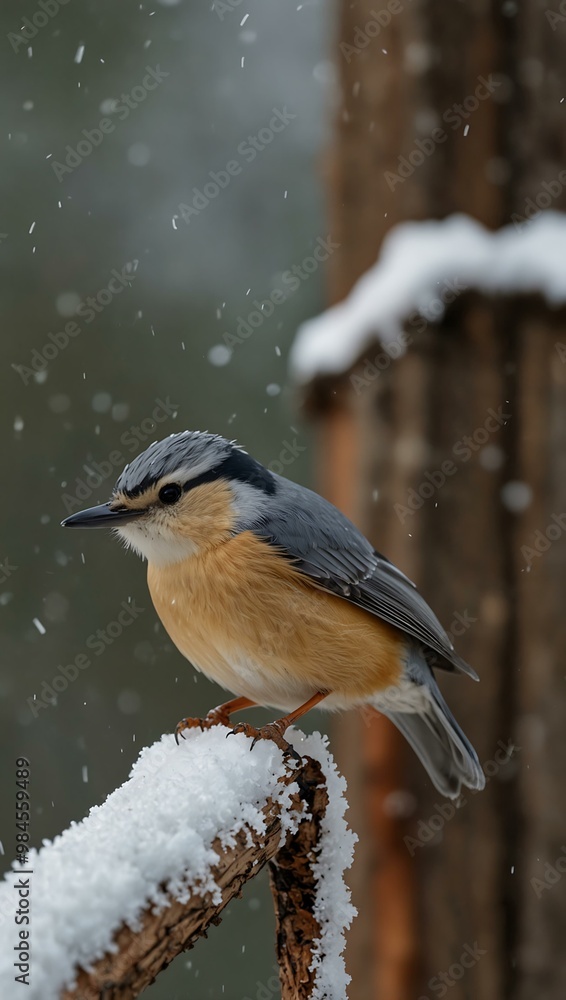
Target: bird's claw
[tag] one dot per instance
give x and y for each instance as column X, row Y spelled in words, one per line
column 182, row 725
column 272, row 731
column 213, row 718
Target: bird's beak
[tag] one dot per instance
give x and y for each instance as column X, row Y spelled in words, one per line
column 102, row 516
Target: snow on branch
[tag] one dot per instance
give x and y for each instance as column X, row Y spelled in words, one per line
column 415, row 259
column 116, row 897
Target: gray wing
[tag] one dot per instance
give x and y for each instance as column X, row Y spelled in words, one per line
column 329, row 549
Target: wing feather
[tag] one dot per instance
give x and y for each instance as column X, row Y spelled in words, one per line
column 330, row 550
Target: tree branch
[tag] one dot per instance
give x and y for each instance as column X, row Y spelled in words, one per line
column 293, row 884
column 141, row 955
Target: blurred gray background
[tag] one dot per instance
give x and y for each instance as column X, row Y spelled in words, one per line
column 160, row 333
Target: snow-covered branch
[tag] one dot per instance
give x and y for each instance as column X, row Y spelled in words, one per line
column 117, row 896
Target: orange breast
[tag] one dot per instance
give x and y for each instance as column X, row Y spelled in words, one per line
column 246, row 617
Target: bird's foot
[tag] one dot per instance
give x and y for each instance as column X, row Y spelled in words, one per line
column 273, row 731
column 216, row 717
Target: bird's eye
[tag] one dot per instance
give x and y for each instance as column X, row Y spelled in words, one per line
column 170, row 494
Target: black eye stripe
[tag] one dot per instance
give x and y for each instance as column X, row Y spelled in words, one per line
column 205, row 477
column 238, row 466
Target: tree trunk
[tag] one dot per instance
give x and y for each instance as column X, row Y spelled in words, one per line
column 469, row 885
column 541, row 656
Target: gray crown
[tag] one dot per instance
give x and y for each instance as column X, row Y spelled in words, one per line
column 196, row 450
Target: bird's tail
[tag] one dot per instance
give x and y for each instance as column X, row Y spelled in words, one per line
column 438, row 741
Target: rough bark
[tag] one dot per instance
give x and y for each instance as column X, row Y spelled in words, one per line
column 541, row 657
column 142, row 954
column 389, row 99
column 473, row 866
column 449, row 545
column 293, row 885
column 481, row 355
column 463, row 546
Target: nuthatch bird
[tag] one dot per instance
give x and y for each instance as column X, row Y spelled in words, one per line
column 274, row 594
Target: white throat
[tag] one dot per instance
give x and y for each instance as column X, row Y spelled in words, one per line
column 157, row 545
